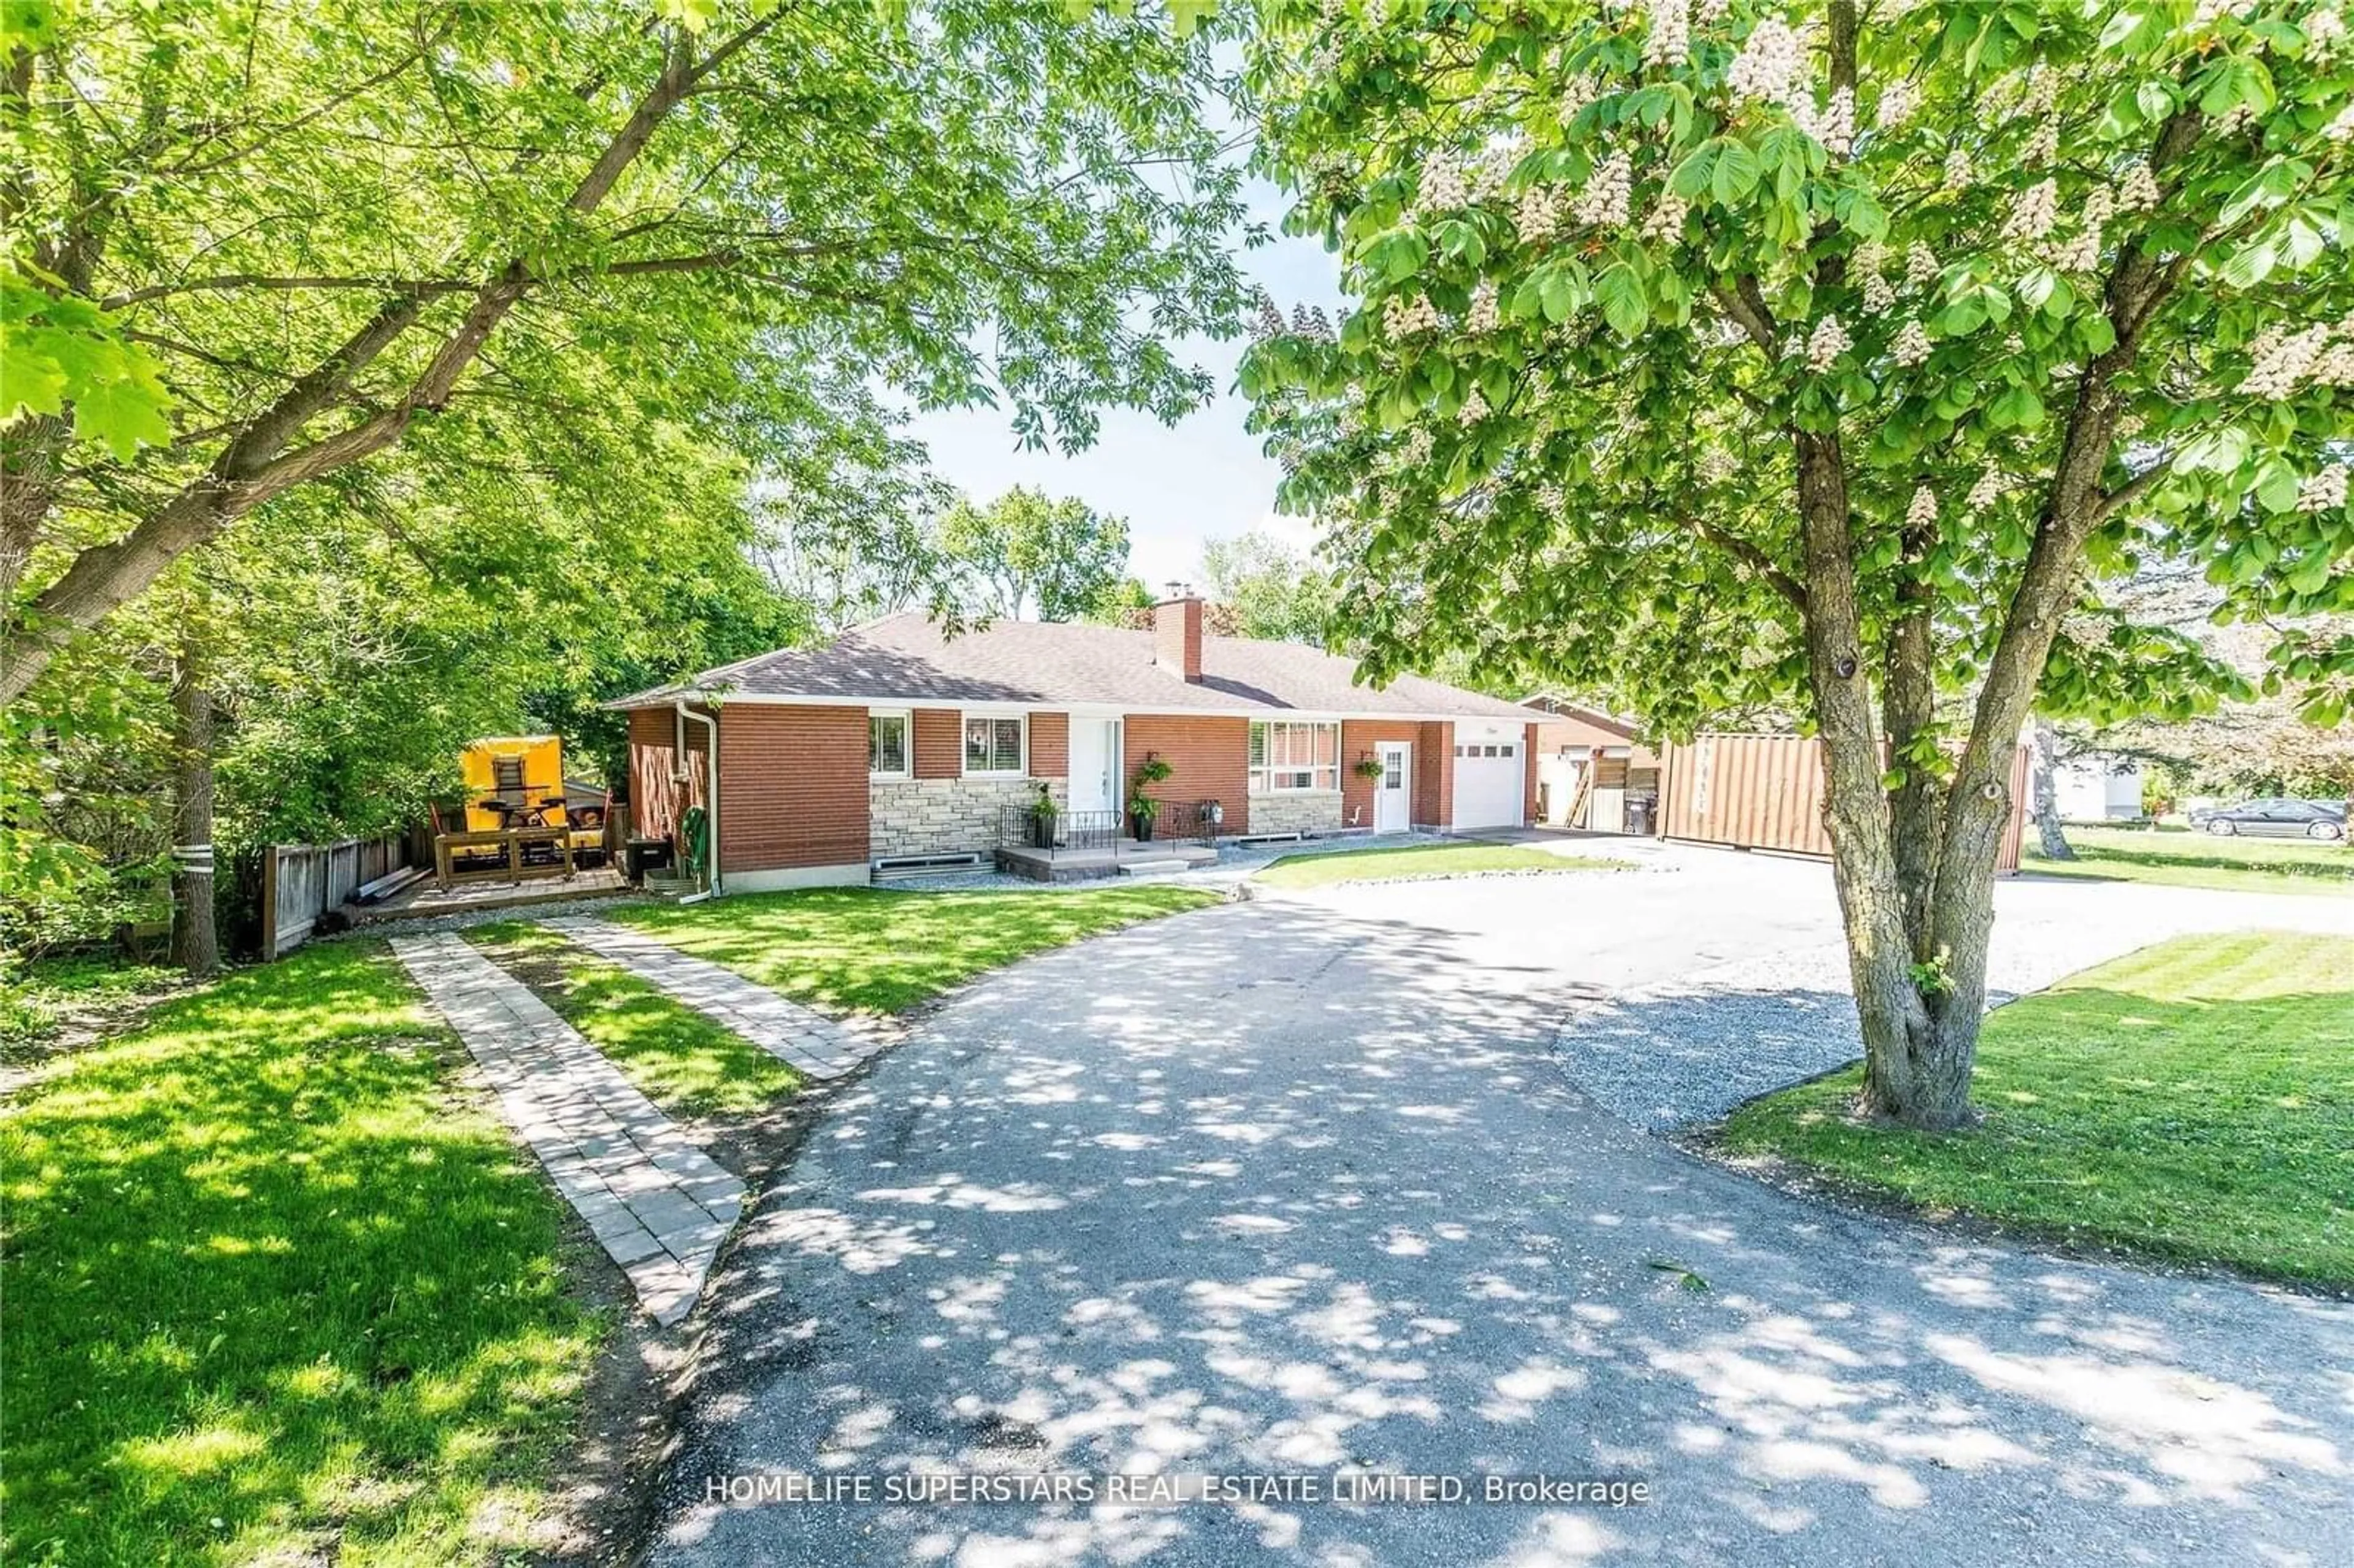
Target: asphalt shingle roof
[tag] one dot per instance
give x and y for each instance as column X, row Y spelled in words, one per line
column 908, row 659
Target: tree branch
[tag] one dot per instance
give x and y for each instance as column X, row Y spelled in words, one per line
column 254, row 466
column 1768, row 570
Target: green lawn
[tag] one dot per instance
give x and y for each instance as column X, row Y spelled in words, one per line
column 1410, row 861
column 2202, row 860
column 681, row 1060
column 857, row 949
column 2194, row 1100
column 276, row 1290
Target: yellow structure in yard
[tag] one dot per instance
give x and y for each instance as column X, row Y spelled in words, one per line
column 517, row 782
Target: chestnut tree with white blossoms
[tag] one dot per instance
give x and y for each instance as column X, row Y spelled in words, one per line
column 1840, row 358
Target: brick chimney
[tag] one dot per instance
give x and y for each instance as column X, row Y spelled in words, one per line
column 1177, row 637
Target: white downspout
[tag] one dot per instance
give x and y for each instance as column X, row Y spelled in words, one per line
column 711, row 790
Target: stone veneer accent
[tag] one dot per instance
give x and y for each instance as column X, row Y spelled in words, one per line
column 945, row 816
column 1306, row 811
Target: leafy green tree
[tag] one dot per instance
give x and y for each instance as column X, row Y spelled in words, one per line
column 252, row 249
column 1731, row 353
column 1024, row 554
column 1127, row 602
column 1270, row 589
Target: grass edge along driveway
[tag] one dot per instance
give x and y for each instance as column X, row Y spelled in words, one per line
column 2193, row 1101
column 1414, row 862
column 861, row 949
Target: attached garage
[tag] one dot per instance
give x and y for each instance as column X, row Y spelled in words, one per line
column 1490, row 774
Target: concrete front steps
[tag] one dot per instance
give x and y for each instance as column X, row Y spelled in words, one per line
column 1123, row 857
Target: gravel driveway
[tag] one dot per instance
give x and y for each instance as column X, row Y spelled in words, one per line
column 1302, row 1186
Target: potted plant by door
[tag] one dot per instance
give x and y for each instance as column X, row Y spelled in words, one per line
column 1368, row 766
column 1142, row 809
column 1043, row 815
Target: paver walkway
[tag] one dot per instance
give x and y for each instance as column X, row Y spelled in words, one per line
column 660, row 1205
column 810, row 1043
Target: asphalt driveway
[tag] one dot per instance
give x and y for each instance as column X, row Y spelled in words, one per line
column 1305, row 1184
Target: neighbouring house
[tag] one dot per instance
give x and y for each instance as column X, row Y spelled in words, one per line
column 1592, row 772
column 2097, row 788
column 898, row 744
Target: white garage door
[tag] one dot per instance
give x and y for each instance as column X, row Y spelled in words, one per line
column 1489, row 773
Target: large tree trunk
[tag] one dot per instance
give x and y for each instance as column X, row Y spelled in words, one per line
column 195, row 944
column 1916, row 883
column 1910, row 1048
column 2053, row 840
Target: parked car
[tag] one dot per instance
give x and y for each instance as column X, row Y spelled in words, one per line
column 2275, row 818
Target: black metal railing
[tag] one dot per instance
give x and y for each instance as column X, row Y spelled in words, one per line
column 1188, row 821
column 1176, row 823
column 1025, row 827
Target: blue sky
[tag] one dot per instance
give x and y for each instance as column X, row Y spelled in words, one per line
column 1204, row 478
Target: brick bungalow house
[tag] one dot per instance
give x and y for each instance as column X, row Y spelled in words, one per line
column 897, row 744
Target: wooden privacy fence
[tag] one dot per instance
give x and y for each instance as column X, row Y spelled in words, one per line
column 1765, row 792
column 301, row 883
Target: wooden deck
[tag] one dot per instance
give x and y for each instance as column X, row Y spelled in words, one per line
column 421, row 900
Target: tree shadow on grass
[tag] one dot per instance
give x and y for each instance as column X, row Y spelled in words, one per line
column 272, row 1284
column 2198, row 1130
column 868, row 950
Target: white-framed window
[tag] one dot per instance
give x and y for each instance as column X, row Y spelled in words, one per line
column 994, row 744
column 1290, row 757
column 886, row 745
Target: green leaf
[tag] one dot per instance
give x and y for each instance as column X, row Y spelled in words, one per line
column 2234, row 83
column 2250, row 265
column 2304, row 241
column 1734, row 175
column 2276, row 485
column 1692, row 176
column 1459, row 242
column 2216, row 451
column 2018, row 408
column 1562, row 291
column 123, row 414
column 1620, row 293
column 1959, row 319
column 1399, row 255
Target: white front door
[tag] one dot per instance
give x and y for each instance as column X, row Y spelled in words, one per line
column 1095, row 764
column 1394, row 792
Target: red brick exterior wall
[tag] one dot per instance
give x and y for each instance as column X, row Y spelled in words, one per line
column 1358, row 739
column 938, row 741
column 1177, row 638
column 792, row 786
column 1434, row 776
column 1050, row 746
column 1210, row 758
